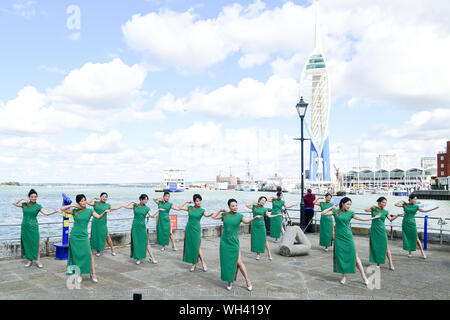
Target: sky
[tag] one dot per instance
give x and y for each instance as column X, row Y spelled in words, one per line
column 117, row 91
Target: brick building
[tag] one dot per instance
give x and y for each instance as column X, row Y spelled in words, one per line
column 443, row 165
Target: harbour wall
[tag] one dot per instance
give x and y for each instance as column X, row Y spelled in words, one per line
column 433, row 194
column 12, row 249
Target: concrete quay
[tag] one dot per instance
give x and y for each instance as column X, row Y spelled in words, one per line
column 305, row 277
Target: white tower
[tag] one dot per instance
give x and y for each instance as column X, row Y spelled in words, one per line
column 315, row 89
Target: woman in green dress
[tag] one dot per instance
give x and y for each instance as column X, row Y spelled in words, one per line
column 140, row 243
column 99, row 227
column 276, row 224
column 326, row 222
column 29, row 234
column 193, row 231
column 409, row 228
column 378, row 238
column 230, row 251
column 345, row 257
column 80, row 253
column 258, row 238
column 164, row 227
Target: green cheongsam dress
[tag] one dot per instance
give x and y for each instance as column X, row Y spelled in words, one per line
column 258, row 237
column 326, row 226
column 99, row 228
column 79, row 244
column 139, row 236
column 378, row 241
column 275, row 223
column 344, row 251
column 29, row 234
column 409, row 228
column 163, row 227
column 229, row 246
column 192, row 235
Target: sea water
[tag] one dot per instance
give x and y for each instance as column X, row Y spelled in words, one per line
column 50, row 198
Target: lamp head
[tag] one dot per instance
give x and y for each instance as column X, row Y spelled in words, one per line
column 301, row 107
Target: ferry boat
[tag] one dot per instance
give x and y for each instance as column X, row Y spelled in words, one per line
column 400, row 192
column 173, row 181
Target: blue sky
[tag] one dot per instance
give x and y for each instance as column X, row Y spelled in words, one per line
column 88, row 127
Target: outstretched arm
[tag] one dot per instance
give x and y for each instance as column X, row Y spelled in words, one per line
column 356, row 217
column 217, row 215
column 368, row 209
column 46, row 213
column 66, row 209
column 250, row 205
column 156, row 200
column 99, row 216
column 329, row 212
column 183, row 207
column 317, row 202
column 121, row 206
column 91, row 201
column 247, row 221
column 400, row 203
column 421, row 210
column 291, row 206
column 129, row 205
column 391, row 217
column 212, row 214
column 18, row 203
column 270, row 216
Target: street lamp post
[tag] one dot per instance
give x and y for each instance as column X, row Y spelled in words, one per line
column 301, row 109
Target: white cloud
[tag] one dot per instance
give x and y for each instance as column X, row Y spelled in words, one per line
column 108, row 143
column 391, row 51
column 250, row 98
column 100, row 86
column 188, row 43
column 30, row 112
column 93, row 97
column 23, row 8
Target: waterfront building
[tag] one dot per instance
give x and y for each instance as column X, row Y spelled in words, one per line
column 227, row 182
column 387, row 161
column 411, row 177
column 315, row 89
column 428, row 162
column 443, row 166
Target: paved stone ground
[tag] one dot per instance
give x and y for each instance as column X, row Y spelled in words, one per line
column 307, row 277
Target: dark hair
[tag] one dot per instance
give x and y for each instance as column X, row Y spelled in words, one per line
column 262, row 197
column 32, row 191
column 411, row 196
column 279, row 188
column 328, row 194
column 279, row 193
column 197, row 196
column 381, row 199
column 231, row 201
column 166, row 192
column 101, row 194
column 309, row 190
column 344, row 200
column 79, row 198
column 143, row 197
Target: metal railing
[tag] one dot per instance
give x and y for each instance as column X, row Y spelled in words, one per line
column 392, row 224
column 45, row 233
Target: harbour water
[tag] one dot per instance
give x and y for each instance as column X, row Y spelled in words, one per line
column 213, row 200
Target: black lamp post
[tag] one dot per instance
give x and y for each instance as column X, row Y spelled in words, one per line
column 301, row 109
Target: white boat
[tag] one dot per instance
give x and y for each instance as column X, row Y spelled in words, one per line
column 174, row 180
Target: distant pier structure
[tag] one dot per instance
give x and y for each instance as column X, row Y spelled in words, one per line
column 315, row 89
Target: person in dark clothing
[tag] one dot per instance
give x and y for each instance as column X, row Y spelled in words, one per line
column 308, row 198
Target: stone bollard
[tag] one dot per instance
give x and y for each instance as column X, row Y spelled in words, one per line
column 294, row 242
